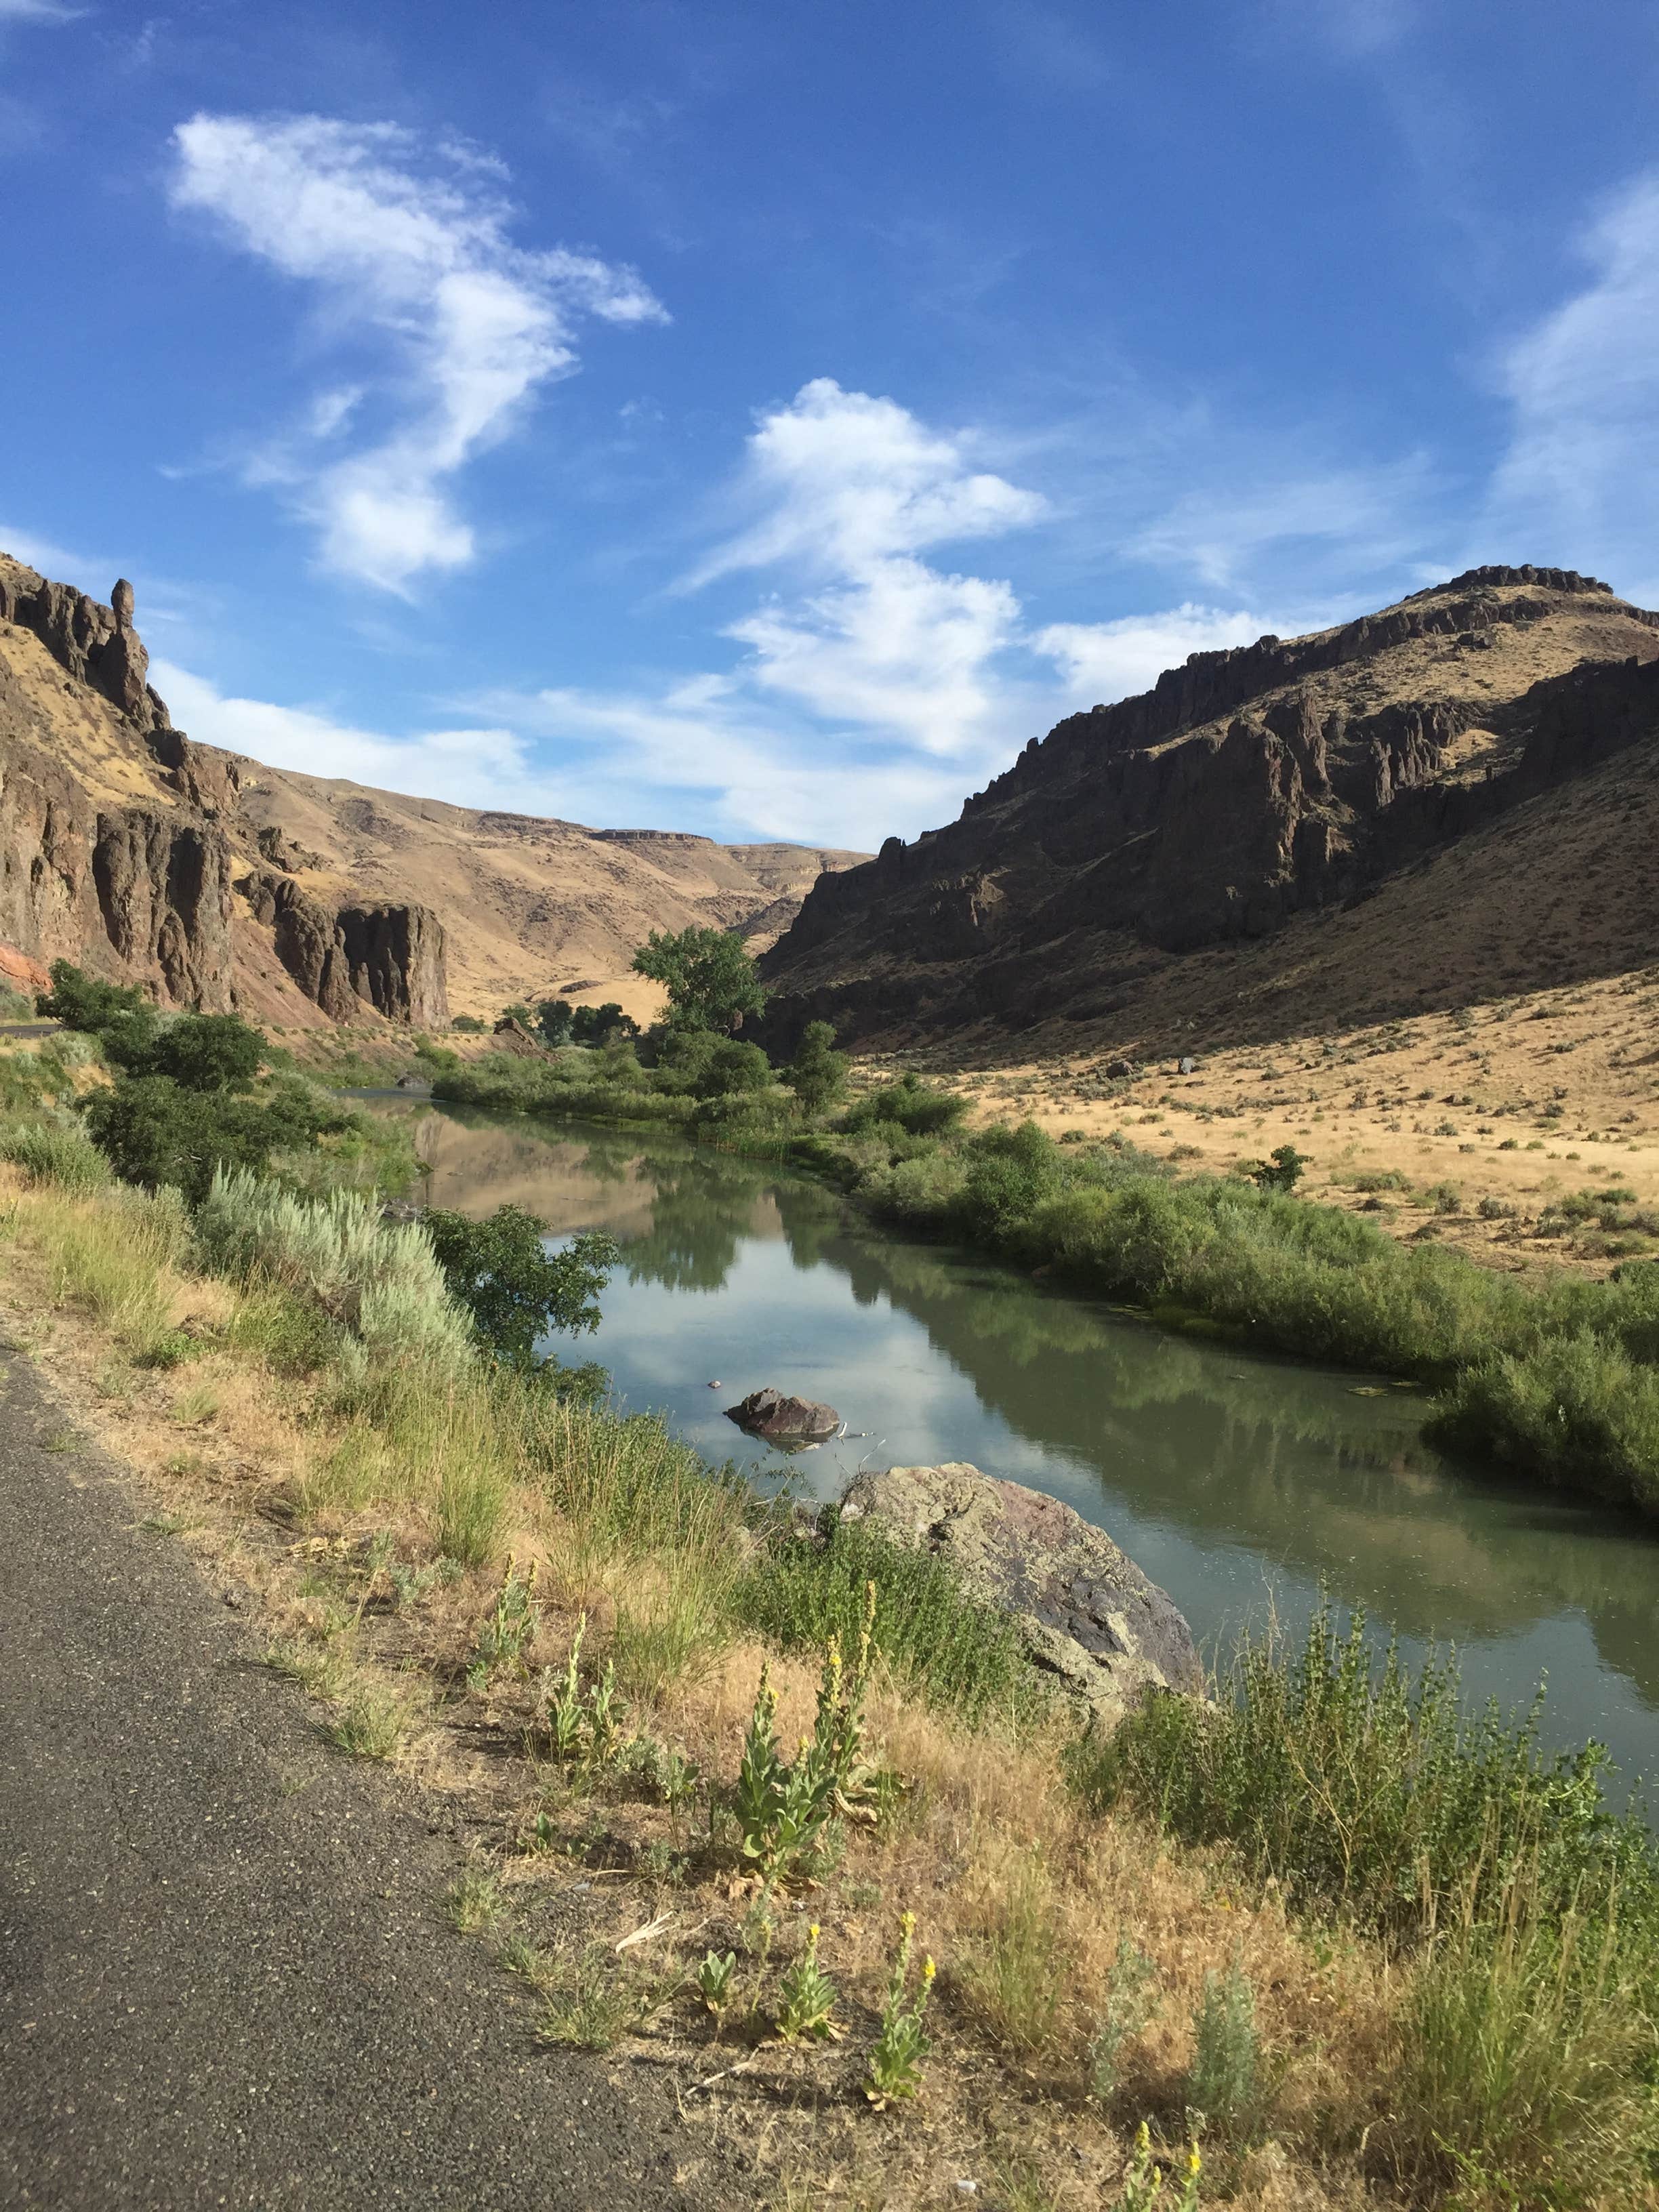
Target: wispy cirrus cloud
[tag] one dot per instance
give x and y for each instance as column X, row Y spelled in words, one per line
column 407, row 245
column 1577, row 484
column 1363, row 518
column 37, row 11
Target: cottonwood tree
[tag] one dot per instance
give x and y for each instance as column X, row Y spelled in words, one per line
column 710, row 978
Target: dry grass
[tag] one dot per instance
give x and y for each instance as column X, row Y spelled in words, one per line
column 1520, row 1100
column 339, row 1518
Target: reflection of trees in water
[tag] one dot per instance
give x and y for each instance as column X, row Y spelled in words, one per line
column 1205, row 1436
column 703, row 1206
column 1287, row 1460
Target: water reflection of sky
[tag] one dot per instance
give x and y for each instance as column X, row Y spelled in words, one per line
column 1233, row 1480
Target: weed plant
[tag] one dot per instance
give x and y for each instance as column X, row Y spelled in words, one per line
column 894, row 2075
column 1364, row 1790
column 1223, row 2083
column 955, row 1650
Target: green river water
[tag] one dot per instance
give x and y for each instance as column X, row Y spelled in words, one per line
column 1237, row 1480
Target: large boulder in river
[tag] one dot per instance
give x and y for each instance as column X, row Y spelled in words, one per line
column 1086, row 1612
column 784, row 1421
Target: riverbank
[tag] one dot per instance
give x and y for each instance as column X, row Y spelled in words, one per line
column 1554, row 1374
column 388, row 1529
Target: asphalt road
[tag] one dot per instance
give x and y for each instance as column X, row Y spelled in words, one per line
column 225, row 1979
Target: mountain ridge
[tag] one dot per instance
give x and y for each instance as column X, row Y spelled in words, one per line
column 1246, row 788
column 215, row 880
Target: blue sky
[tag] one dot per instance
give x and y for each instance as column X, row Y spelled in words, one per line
column 762, row 419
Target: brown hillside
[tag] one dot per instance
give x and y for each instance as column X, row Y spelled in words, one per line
column 1451, row 800
column 215, row 880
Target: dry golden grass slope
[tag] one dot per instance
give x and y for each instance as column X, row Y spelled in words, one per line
column 530, row 906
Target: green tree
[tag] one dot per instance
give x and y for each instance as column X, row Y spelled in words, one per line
column 598, row 1026
column 518, row 1011
column 1280, row 1171
column 155, row 1131
column 554, row 1018
column 516, row 1289
column 710, row 978
column 208, row 1052
column 733, row 1068
column 80, row 1001
column 818, row 1073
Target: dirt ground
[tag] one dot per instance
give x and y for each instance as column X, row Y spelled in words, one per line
column 1469, row 1124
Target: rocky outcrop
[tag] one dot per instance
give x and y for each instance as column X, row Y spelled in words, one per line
column 145, row 889
column 1244, row 788
column 1087, row 1615
column 163, row 888
column 781, row 1419
column 388, row 957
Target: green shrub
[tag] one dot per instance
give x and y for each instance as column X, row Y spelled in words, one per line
column 910, row 1105
column 1362, row 1789
column 1577, row 1410
column 48, row 1152
column 515, row 1290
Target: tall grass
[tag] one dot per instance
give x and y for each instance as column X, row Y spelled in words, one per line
column 1527, row 2054
column 937, row 1639
column 54, row 1153
column 111, row 1251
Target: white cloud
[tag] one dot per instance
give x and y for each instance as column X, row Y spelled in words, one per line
column 873, row 691
column 1370, row 517
column 37, row 11
column 844, row 481
column 1103, row 661
column 468, row 767
column 843, row 492
column 411, row 245
column 1577, row 484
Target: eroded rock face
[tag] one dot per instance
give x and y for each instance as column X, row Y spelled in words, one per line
column 163, row 889
column 783, row 1420
column 389, row 957
column 1086, row 1613
column 148, row 887
column 1245, row 787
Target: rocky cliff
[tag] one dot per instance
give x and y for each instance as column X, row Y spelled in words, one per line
column 124, row 845
column 1245, row 787
column 215, row 880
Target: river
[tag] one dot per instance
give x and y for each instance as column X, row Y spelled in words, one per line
column 1235, row 1479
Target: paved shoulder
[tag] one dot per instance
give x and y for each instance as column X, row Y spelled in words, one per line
column 224, row 1980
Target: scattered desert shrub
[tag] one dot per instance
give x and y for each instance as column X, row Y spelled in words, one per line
column 381, row 1279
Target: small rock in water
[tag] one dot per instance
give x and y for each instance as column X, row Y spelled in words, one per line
column 717, row 1386
column 784, row 1421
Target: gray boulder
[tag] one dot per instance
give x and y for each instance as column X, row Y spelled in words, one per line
column 781, row 1419
column 1086, row 1613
